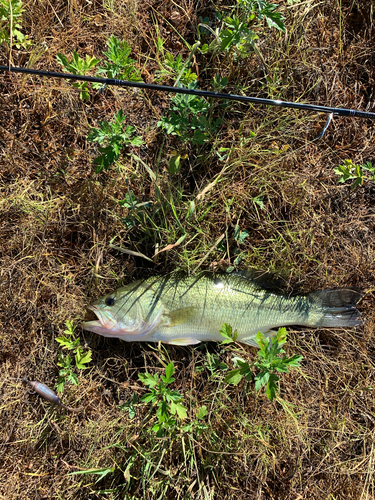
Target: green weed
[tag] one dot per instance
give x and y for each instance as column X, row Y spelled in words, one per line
column 168, row 402
column 268, row 361
column 198, row 425
column 10, row 24
column 238, row 30
column 68, row 366
column 175, row 67
column 112, row 137
column 359, row 174
column 119, row 64
column 78, row 66
column 190, row 119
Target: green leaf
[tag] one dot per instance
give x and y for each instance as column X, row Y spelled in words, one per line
column 100, row 472
column 82, row 359
column 281, row 336
column 179, row 409
column 130, row 406
column 228, row 334
column 263, row 343
column 174, row 164
column 65, row 342
column 294, row 361
column 262, row 379
column 148, row 379
column 151, row 396
column 271, row 388
column 233, row 377
column 72, row 377
column 60, row 384
column 168, row 373
column 202, row 412
column 275, row 20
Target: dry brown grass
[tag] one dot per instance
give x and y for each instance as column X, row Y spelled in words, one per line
column 57, row 218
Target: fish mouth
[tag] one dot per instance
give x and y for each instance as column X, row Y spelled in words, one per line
column 103, row 325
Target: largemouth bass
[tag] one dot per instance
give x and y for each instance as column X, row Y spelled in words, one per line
column 188, row 310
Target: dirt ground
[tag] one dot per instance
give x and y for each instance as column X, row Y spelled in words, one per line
column 63, row 233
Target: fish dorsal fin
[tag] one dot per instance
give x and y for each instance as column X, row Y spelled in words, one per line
column 262, row 278
column 179, row 316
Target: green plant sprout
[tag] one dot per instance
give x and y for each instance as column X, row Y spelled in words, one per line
column 168, row 402
column 198, row 425
column 228, row 334
column 10, row 24
column 360, row 174
column 79, row 66
column 136, row 211
column 72, row 343
column 173, row 67
column 119, row 64
column 268, row 362
column 190, row 120
column 236, row 34
column 263, row 10
column 112, row 137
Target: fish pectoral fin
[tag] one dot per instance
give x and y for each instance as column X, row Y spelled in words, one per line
column 251, row 340
column 270, row 333
column 179, row 316
column 184, row 341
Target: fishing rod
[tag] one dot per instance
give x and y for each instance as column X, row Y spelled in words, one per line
column 201, row 93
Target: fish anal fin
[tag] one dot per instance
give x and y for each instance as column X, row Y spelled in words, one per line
column 184, row 341
column 179, row 316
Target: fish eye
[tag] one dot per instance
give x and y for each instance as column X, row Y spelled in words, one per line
column 109, row 301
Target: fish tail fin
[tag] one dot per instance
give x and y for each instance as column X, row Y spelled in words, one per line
column 335, row 308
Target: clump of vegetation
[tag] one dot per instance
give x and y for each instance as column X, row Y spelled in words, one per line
column 359, row 174
column 67, row 364
column 112, row 137
column 79, row 66
column 238, row 31
column 268, row 361
column 189, row 119
column 167, row 401
column 11, row 24
column 118, row 66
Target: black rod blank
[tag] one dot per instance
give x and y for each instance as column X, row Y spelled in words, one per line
column 201, row 93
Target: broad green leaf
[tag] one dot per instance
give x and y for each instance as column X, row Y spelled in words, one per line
column 281, row 336
column 179, row 409
column 233, row 377
column 81, row 360
column 148, row 379
column 228, row 334
column 294, row 361
column 202, row 412
column 65, row 342
column 262, row 379
column 169, row 372
column 149, row 397
column 271, row 388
